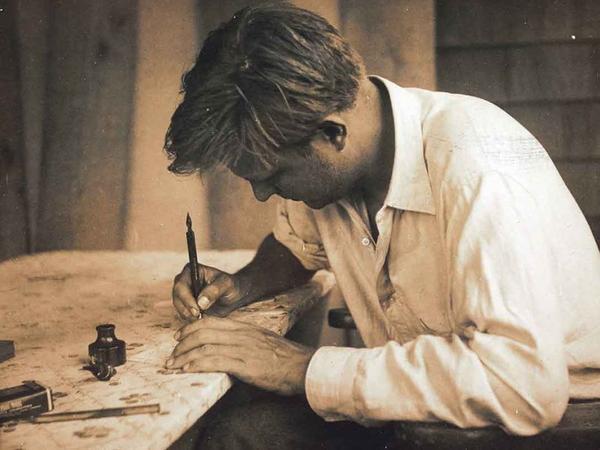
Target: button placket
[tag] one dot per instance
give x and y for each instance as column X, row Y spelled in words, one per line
column 358, row 221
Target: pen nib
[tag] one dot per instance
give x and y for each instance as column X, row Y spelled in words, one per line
column 188, row 221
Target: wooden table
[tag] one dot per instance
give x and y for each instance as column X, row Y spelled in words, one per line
column 50, row 304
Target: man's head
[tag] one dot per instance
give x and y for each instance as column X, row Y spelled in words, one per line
column 267, row 98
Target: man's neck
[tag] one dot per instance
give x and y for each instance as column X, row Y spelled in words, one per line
column 376, row 182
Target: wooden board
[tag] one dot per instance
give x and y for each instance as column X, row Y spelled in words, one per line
column 558, row 72
column 50, row 304
column 567, row 130
column 14, row 238
column 91, row 71
column 492, row 22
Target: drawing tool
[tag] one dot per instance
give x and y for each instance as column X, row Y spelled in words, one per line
column 193, row 257
column 97, row 413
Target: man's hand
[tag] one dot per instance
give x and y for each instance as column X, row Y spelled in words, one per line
column 253, row 354
column 218, row 288
column 273, row 269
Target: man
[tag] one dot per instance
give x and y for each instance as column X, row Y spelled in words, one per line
column 468, row 268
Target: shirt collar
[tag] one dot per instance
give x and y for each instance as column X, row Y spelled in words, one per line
column 409, row 185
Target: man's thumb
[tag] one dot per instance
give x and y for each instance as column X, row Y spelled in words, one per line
column 208, row 296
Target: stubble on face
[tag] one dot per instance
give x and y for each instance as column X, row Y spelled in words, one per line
column 329, row 179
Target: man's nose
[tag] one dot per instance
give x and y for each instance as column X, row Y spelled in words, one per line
column 262, row 191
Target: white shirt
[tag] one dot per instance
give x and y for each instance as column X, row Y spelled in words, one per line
column 480, row 301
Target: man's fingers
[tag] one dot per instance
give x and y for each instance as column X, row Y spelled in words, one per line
column 203, row 337
column 183, row 296
column 215, row 286
column 215, row 363
column 182, row 292
column 209, row 358
column 181, row 310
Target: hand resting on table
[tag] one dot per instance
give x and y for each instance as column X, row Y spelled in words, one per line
column 253, row 354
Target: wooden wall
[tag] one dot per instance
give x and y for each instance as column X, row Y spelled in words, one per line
column 89, row 88
column 167, row 43
column 89, row 92
column 540, row 61
column 32, row 25
column 14, row 229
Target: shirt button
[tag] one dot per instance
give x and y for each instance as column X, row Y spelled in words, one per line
column 366, row 241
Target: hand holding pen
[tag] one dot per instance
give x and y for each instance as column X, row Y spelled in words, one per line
column 199, row 287
column 193, row 256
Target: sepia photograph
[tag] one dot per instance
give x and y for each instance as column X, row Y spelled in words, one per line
column 300, row 224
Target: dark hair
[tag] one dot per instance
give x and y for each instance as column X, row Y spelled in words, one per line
column 262, row 82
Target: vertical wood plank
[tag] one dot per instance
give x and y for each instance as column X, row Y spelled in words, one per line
column 91, row 71
column 13, row 209
column 33, row 34
column 167, row 44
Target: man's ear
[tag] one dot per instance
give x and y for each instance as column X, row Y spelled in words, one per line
column 335, row 132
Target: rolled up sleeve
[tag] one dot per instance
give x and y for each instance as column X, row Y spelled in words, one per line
column 296, row 228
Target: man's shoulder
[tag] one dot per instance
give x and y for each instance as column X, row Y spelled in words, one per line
column 465, row 137
column 449, row 116
column 458, row 117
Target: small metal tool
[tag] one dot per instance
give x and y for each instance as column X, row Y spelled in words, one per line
column 98, row 413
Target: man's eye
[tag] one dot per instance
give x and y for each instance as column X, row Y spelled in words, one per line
column 330, row 131
column 335, row 133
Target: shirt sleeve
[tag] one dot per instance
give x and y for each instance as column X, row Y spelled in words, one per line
column 504, row 365
column 296, row 228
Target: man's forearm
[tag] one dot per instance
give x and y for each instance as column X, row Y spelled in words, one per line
column 274, row 269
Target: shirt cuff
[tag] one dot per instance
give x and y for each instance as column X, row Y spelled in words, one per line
column 330, row 380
